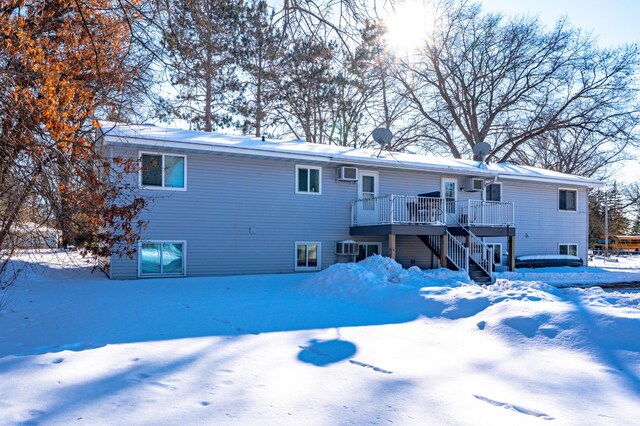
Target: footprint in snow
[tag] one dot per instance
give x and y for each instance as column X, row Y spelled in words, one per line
column 164, row 386
column 515, row 408
column 57, row 361
column 374, row 368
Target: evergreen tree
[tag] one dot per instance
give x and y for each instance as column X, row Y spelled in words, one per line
column 355, row 87
column 635, row 227
column 202, row 41
column 306, row 87
column 259, row 54
column 618, row 222
column 596, row 215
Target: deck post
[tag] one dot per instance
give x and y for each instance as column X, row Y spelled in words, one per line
column 443, row 251
column 392, row 246
column 512, row 252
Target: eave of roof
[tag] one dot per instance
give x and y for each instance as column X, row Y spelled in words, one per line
column 159, row 137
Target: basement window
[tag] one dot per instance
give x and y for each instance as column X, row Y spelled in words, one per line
column 570, row 249
column 307, row 256
column 161, row 258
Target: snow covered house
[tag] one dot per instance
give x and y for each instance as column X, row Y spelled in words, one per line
column 226, row 204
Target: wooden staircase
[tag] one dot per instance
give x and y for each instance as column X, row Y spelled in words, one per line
column 474, row 257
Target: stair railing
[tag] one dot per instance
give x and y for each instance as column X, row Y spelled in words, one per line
column 481, row 253
column 457, row 253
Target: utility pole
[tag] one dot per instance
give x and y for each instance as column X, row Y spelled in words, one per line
column 606, row 224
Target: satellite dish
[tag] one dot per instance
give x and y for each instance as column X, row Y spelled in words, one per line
column 481, row 150
column 382, row 135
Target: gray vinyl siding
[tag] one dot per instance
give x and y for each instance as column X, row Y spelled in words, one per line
column 540, row 226
column 241, row 215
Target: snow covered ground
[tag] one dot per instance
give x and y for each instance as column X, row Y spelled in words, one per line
column 366, row 343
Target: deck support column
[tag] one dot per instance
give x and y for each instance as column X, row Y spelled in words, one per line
column 512, row 252
column 443, row 251
column 392, row 246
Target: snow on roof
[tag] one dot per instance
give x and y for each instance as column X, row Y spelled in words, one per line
column 155, row 136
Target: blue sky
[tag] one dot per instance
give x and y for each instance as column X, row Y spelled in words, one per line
column 614, row 22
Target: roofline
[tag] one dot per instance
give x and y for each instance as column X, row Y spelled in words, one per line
column 209, row 147
column 333, row 158
column 588, row 183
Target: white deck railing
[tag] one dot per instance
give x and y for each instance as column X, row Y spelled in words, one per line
column 397, row 209
column 412, row 209
column 480, row 213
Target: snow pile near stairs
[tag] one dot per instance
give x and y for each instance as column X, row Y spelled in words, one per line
column 377, row 277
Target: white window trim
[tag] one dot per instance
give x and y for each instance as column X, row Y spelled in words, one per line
column 365, row 243
column 295, row 256
column 161, row 188
column 558, row 200
column 302, row 166
column 569, row 244
column 484, row 191
column 500, row 251
column 184, row 258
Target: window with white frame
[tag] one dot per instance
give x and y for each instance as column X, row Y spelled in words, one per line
column 568, row 200
column 570, row 249
column 307, row 256
column 163, row 171
column 161, row 258
column 493, row 192
column 367, row 249
column 308, row 180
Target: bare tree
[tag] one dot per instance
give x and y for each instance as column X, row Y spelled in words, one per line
column 576, row 151
column 509, row 82
column 62, row 65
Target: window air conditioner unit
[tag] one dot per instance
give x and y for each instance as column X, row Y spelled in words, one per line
column 348, row 174
column 474, row 185
column 347, row 247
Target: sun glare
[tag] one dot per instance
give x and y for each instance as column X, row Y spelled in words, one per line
column 408, row 25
